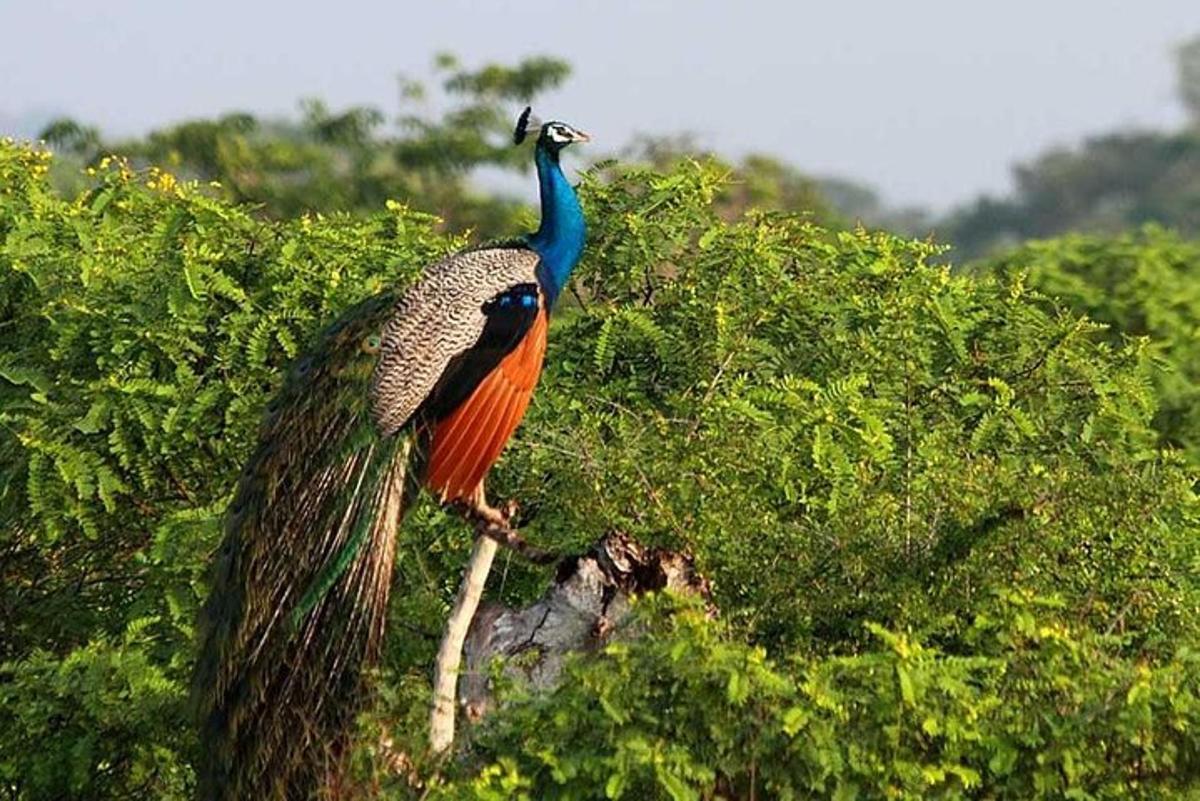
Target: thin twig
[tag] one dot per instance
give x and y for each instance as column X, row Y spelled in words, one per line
column 578, row 297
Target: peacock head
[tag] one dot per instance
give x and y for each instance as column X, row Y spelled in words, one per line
column 552, row 135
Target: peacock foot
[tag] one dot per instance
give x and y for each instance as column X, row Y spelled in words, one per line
column 496, row 522
column 475, row 507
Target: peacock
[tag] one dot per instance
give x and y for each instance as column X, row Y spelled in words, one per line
column 412, row 388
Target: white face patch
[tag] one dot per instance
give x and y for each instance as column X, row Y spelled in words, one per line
column 561, row 133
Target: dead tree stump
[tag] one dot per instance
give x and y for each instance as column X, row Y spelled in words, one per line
column 589, row 597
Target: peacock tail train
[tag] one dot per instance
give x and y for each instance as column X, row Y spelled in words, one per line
column 301, row 582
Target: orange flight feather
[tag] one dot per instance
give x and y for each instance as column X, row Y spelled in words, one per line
column 456, row 434
column 468, row 442
column 463, row 460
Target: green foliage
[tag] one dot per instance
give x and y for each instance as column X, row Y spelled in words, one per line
column 835, row 413
column 686, row 712
column 884, row 467
column 103, row 722
column 756, row 182
column 1144, row 284
column 762, row 182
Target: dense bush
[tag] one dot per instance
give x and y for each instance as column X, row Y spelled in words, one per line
column 950, row 558
column 1143, row 284
column 1035, row 709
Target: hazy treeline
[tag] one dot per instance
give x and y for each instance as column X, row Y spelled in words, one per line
column 355, row 158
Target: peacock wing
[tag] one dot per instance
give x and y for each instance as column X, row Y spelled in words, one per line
column 469, row 437
column 452, row 311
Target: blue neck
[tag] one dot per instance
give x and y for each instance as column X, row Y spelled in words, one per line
column 559, row 240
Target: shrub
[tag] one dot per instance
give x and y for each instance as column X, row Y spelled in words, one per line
column 1037, row 709
column 871, row 457
column 1141, row 284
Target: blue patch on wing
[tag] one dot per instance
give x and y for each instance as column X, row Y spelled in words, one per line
column 510, row 314
column 523, row 296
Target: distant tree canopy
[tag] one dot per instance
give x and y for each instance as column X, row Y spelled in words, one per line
column 349, row 160
column 353, row 161
column 1109, row 184
column 1188, row 61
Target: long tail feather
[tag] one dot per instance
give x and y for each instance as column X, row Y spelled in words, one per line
column 300, row 588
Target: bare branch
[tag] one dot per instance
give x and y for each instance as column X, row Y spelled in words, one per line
column 445, row 675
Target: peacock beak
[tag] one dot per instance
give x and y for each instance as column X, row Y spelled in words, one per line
column 581, row 136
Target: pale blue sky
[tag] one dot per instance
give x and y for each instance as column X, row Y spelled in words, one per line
column 931, row 101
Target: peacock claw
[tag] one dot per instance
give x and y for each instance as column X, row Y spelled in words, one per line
column 476, row 509
column 510, row 509
column 491, row 516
